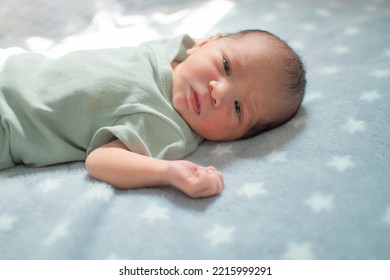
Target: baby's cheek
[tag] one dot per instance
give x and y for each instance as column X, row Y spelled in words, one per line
column 212, row 130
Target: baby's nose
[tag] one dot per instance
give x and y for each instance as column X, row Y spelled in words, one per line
column 217, row 93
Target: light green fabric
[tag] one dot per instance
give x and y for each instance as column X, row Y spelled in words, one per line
column 59, row 110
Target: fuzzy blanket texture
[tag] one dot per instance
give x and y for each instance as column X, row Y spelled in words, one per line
column 315, row 188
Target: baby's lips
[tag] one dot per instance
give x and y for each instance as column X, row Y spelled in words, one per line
column 194, row 101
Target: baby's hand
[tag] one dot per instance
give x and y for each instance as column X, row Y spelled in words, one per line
column 194, row 180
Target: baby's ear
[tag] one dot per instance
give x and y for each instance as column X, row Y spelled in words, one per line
column 201, row 42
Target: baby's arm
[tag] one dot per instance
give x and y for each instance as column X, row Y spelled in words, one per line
column 115, row 164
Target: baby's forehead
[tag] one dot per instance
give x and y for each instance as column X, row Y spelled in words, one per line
column 253, row 48
column 253, row 40
column 263, row 61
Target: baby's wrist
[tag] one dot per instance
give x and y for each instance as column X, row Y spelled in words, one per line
column 168, row 173
column 174, row 173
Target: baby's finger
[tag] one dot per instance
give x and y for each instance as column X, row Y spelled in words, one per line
column 212, row 180
column 218, row 180
column 211, row 168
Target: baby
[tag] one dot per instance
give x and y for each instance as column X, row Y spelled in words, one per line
column 133, row 113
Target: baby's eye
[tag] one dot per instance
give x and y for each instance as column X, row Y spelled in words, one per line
column 226, row 66
column 237, row 108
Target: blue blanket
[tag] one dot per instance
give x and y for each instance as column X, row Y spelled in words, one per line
column 316, row 188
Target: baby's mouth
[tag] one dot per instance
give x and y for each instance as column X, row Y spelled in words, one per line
column 194, row 101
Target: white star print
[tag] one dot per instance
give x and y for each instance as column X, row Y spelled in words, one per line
column 269, row 17
column 340, row 50
column 222, row 149
column 100, row 194
column 351, row 30
column 308, row 26
column 330, row 70
column 251, row 190
column 298, row 251
column 49, row 185
column 297, row 45
column 313, row 95
column 277, row 156
column 386, row 216
column 370, row 95
column 323, row 12
column 352, row 125
column 341, row 163
column 220, row 235
column 298, row 121
column 60, row 231
column 320, row 202
column 6, row 222
column 283, row 5
column 154, row 213
column 381, row 73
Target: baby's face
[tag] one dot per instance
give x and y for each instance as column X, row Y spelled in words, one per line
column 226, row 86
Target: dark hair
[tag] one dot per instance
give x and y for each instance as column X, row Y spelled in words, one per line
column 296, row 78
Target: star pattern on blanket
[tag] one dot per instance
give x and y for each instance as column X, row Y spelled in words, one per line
column 323, row 12
column 330, row 70
column 353, row 125
column 299, row 251
column 298, row 121
column 386, row 216
column 220, row 235
column 283, row 5
column 341, row 163
column 99, row 194
column 278, row 156
column 154, row 213
column 58, row 232
column 320, row 203
column 50, row 185
column 7, row 221
column 222, row 149
column 370, row 95
column 269, row 17
column 251, row 190
column 313, row 95
column 309, row 26
column 381, row 73
column 340, row 50
column 345, row 89
column 297, row 45
column 351, row 30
